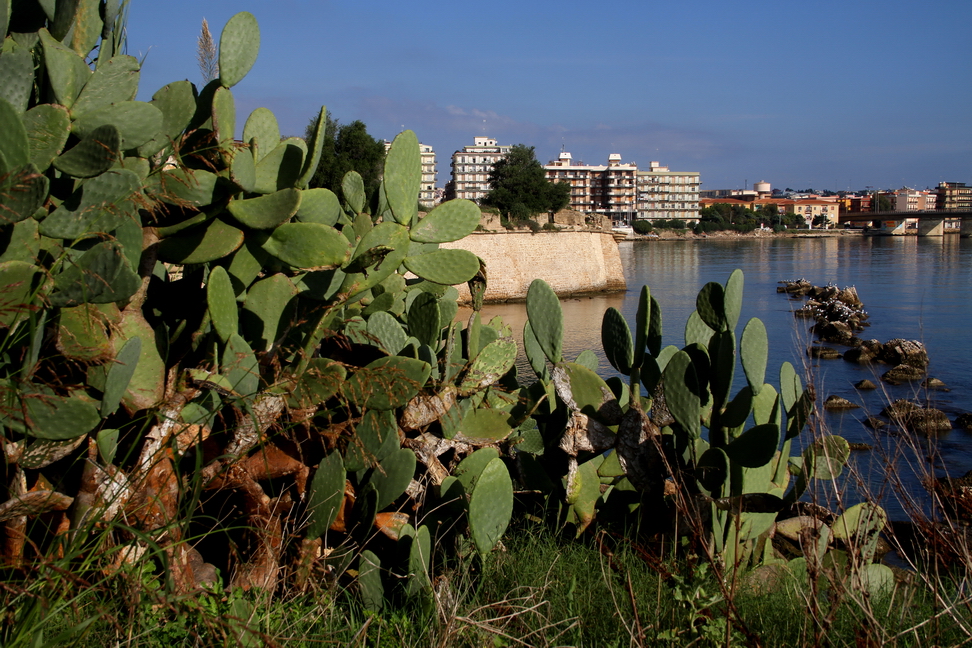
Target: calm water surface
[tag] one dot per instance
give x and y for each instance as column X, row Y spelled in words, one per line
column 913, row 288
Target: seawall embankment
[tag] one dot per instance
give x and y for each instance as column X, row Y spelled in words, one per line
column 573, row 263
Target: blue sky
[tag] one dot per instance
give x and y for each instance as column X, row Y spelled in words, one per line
column 828, row 94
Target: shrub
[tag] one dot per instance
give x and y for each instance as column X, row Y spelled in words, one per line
column 641, row 227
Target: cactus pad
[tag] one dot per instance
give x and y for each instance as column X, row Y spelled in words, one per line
column 490, row 506
column 239, row 45
column 546, row 319
column 449, row 221
column 448, row 267
column 326, row 495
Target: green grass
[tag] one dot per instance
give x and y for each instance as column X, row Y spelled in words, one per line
column 542, row 589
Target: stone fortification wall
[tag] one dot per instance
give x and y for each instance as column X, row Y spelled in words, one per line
column 571, row 262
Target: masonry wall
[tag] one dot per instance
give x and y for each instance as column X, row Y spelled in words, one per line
column 571, row 262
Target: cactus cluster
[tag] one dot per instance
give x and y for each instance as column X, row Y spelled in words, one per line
column 183, row 313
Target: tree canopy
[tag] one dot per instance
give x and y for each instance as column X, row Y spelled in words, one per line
column 519, row 185
column 348, row 147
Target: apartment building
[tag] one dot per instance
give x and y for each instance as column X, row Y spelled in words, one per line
column 666, row 194
column 609, row 190
column 471, row 167
column 954, row 196
column 906, row 199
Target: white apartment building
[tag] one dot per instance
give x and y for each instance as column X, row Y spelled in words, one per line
column 906, row 199
column 609, row 190
column 471, row 167
column 666, row 194
column 427, row 194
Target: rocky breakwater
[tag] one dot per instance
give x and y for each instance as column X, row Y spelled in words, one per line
column 839, row 317
column 573, row 263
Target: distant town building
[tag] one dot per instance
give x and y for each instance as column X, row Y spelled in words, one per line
column 609, row 190
column 666, row 194
column 906, row 199
column 954, row 196
column 471, row 167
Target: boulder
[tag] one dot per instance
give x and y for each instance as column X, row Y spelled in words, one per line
column 835, row 402
column 902, row 373
column 909, row 352
column 899, row 408
column 849, row 296
column 860, row 354
column 927, row 421
column 935, row 384
column 874, row 423
column 823, row 352
column 837, row 332
column 964, row 422
column 864, row 384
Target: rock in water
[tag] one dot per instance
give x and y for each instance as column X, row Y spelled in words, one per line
column 927, row 422
column 865, row 384
column 835, row 402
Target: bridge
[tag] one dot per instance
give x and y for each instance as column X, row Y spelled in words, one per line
column 930, row 223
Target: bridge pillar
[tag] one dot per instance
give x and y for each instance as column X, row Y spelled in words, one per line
column 966, row 230
column 931, row 227
column 894, row 227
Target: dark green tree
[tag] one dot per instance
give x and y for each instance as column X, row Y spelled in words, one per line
column 348, row 147
column 519, row 185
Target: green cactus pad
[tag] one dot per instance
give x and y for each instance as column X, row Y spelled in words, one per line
column 315, row 147
column 485, row 425
column 642, row 326
column 591, row 394
column 711, row 307
column 240, row 366
column 239, row 45
column 98, row 206
column 266, row 212
column 308, row 245
column 56, row 418
column 137, row 122
column 534, row 353
column 321, row 379
column 756, row 446
column 584, row 492
column 722, row 351
column 491, row 364
column 326, row 495
column 352, row 187
column 16, row 77
column 616, row 341
column 374, row 439
column 546, row 319
column 738, row 409
column 469, row 469
column 387, row 383
column 448, row 267
column 267, row 310
column 393, row 475
column 21, row 282
column 859, row 528
column 94, row 154
column 403, row 179
column 682, row 392
column 654, row 336
column 115, row 81
column 424, row 318
column 243, row 170
column 387, row 331
column 732, row 298
column 120, row 375
column 210, row 242
column 281, row 167
column 177, row 103
column 82, row 334
column 319, row 206
column 22, row 192
column 753, row 351
column 14, row 143
column 377, row 255
column 450, row 221
column 790, row 386
column 224, row 116
column 101, row 275
column 697, row 331
column 187, row 187
column 419, row 556
column 147, row 385
column 370, row 588
column 490, row 506
column 66, row 71
column 827, row 455
column 766, row 406
column 712, row 471
column 85, row 26
column 48, row 127
column 107, row 441
column 262, row 126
